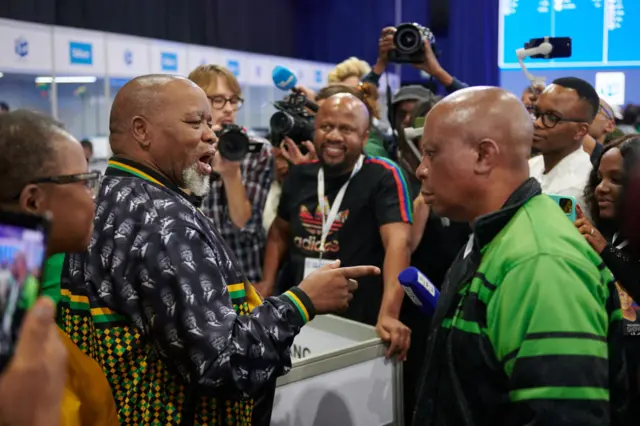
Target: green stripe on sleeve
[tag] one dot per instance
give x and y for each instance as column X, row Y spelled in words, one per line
column 586, row 393
column 566, row 346
column 468, row 326
column 298, row 304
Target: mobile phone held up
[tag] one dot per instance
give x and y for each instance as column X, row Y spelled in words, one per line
column 567, row 204
column 561, row 47
column 23, row 247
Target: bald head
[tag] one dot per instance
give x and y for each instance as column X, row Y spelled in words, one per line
column 476, row 144
column 341, row 132
column 164, row 122
column 143, row 96
column 346, row 103
column 486, row 113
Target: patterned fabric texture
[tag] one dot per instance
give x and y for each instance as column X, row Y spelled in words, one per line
column 159, row 301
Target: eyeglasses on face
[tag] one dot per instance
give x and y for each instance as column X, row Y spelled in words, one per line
column 219, row 101
column 550, row 119
column 90, row 179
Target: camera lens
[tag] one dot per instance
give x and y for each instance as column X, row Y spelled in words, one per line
column 407, row 39
column 281, row 123
column 233, row 144
column 566, row 204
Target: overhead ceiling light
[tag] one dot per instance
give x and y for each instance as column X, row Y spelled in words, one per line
column 77, row 80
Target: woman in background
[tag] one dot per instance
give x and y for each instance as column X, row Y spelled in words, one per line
column 349, row 72
column 605, row 197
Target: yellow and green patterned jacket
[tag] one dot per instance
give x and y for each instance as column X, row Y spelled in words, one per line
column 159, row 301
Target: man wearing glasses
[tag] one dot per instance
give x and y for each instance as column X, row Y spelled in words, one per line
column 562, row 116
column 603, row 125
column 238, row 189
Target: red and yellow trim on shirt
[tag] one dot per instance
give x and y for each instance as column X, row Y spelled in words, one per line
column 403, row 190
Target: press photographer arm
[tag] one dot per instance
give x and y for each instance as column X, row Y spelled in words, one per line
column 432, row 66
column 238, row 204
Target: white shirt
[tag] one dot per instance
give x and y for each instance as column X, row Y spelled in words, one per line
column 271, row 205
column 569, row 177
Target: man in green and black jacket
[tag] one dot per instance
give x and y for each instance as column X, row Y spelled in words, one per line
column 526, row 331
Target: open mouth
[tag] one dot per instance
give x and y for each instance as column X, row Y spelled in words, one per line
column 334, row 150
column 204, row 163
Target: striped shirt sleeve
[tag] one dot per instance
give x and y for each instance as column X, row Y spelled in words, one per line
column 548, row 324
column 393, row 202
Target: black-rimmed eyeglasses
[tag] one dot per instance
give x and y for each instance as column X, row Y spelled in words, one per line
column 219, row 102
column 549, row 119
column 90, row 179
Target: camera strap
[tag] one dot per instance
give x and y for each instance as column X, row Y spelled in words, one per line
column 327, row 221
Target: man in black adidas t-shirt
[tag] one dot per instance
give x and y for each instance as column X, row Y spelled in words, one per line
column 362, row 215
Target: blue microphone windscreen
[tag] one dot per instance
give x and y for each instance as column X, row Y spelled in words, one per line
column 419, row 289
column 408, row 275
column 283, row 78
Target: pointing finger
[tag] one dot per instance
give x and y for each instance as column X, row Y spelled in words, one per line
column 359, row 271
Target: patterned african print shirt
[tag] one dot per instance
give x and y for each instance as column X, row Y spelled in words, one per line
column 160, row 303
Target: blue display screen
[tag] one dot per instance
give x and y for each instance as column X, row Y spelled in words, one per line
column 603, row 32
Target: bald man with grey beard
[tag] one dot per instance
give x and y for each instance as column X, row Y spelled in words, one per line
column 525, row 330
column 158, row 299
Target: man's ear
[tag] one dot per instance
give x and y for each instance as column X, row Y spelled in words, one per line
column 33, row 200
column 365, row 139
column 583, row 130
column 488, row 152
column 140, row 130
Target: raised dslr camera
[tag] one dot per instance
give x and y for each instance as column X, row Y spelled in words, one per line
column 234, row 144
column 292, row 119
column 409, row 43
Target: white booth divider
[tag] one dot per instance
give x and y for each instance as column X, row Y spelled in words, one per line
column 339, row 377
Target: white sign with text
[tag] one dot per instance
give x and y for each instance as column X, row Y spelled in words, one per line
column 79, row 52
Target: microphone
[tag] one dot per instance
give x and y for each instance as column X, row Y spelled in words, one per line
column 284, row 78
column 419, row 289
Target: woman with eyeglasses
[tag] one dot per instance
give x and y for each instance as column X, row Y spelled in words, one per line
column 43, row 170
column 606, row 199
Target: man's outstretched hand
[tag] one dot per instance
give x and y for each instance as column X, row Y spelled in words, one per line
column 331, row 287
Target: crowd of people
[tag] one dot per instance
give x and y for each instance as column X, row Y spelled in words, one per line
column 175, row 288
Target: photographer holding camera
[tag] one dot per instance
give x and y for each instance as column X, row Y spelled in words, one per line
column 243, row 172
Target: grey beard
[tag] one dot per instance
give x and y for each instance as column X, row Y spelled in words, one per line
column 197, row 184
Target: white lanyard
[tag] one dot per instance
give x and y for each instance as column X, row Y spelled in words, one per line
column 622, row 244
column 327, row 221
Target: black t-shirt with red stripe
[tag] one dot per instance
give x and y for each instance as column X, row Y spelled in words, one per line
column 377, row 195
